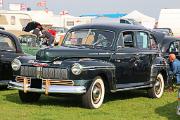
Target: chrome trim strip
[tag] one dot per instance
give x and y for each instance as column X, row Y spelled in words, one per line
column 124, row 89
column 98, row 67
column 51, row 88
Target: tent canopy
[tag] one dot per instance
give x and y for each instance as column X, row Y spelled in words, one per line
column 145, row 20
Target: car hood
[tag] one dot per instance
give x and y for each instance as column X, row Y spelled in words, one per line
column 61, row 53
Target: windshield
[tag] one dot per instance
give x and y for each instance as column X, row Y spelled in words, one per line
column 89, row 37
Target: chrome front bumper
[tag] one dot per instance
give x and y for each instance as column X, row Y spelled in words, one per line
column 49, row 89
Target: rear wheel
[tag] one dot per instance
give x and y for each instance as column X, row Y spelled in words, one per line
column 94, row 97
column 158, row 87
column 29, row 97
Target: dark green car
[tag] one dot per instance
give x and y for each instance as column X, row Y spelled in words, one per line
column 93, row 60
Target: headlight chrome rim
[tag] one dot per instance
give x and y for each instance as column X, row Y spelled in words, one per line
column 16, row 64
column 77, row 69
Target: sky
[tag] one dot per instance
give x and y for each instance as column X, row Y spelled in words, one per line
column 81, row 7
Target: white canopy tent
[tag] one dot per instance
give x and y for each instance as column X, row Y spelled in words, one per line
column 145, row 20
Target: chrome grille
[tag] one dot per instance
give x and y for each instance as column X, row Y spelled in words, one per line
column 46, row 73
column 54, row 73
column 28, row 71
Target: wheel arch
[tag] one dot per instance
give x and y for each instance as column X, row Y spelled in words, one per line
column 165, row 76
column 108, row 81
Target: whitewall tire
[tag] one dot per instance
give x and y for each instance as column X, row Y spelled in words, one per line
column 158, row 87
column 94, row 97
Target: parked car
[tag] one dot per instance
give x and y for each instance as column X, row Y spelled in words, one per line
column 170, row 45
column 166, row 31
column 29, row 42
column 93, row 60
column 2, row 28
column 10, row 48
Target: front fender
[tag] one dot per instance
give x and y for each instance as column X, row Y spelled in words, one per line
column 92, row 68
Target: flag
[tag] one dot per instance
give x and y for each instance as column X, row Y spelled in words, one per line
column 41, row 3
column 1, row 3
column 64, row 12
column 23, row 7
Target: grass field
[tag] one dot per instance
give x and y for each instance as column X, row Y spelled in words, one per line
column 131, row 105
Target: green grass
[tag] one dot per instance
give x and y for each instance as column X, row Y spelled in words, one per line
column 131, row 105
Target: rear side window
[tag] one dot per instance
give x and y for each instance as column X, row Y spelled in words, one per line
column 6, row 43
column 142, row 40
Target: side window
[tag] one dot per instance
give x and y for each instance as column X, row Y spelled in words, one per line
column 6, row 43
column 142, row 40
column 128, row 39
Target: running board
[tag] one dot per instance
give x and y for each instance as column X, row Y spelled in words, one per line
column 132, row 88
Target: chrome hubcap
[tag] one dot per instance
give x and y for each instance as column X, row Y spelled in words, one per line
column 96, row 93
column 158, row 86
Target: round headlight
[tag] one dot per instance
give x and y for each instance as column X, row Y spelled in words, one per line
column 16, row 64
column 76, row 69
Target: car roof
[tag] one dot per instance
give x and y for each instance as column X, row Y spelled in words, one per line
column 167, row 40
column 3, row 32
column 110, row 26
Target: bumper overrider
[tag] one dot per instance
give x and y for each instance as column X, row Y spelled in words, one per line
column 47, row 86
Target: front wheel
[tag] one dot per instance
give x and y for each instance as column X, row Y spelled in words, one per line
column 158, row 87
column 29, row 97
column 94, row 97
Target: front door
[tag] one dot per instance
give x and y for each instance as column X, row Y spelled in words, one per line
column 124, row 59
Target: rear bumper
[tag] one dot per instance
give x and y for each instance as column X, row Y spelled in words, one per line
column 48, row 89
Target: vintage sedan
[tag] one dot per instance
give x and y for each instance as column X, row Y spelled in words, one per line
column 10, row 48
column 166, row 31
column 170, row 45
column 93, row 60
